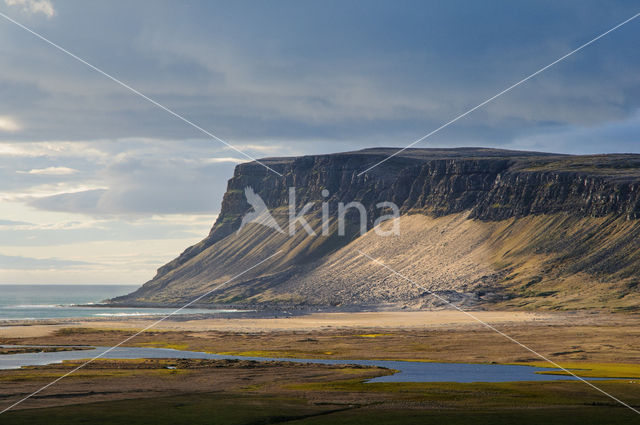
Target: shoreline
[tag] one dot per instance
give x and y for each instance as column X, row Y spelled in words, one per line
column 278, row 321
column 221, row 311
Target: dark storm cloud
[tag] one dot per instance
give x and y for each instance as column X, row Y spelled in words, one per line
column 350, row 73
column 306, row 77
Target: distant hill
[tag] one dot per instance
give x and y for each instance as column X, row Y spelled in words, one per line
column 482, row 227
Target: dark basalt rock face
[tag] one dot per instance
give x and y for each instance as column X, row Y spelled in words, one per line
column 492, row 184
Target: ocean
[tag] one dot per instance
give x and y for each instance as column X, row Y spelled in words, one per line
column 35, row 302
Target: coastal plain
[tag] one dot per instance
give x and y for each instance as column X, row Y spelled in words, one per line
column 247, row 392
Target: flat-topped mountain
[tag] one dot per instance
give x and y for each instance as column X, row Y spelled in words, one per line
column 497, row 228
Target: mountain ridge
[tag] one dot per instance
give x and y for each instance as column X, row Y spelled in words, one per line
column 486, row 187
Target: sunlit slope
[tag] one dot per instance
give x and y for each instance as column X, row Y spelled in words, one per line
column 546, row 261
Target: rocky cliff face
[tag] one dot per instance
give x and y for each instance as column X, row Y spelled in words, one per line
column 485, row 185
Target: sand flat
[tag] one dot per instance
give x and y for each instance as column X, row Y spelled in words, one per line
column 316, row 321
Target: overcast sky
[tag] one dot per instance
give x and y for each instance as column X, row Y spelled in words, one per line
column 99, row 186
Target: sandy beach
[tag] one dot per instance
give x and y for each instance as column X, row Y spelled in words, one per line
column 310, row 322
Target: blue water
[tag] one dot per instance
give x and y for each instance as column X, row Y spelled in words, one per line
column 408, row 371
column 36, row 302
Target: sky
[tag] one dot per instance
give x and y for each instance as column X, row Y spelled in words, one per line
column 98, row 185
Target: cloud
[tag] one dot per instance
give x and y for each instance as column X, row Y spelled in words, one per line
column 611, row 137
column 289, row 77
column 268, row 147
column 217, row 160
column 13, row 262
column 9, row 124
column 54, row 149
column 4, row 223
column 82, row 201
column 50, row 171
column 33, row 7
column 123, row 177
column 13, row 225
column 49, row 190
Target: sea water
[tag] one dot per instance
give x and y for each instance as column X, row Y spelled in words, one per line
column 36, row 302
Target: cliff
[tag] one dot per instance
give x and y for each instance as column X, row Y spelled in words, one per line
column 461, row 208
